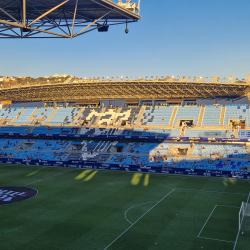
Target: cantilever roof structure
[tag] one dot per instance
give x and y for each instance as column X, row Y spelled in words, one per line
column 60, row 18
column 124, row 90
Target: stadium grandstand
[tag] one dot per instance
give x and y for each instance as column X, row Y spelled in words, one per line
column 168, row 124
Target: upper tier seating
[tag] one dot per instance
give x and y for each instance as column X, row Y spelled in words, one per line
column 157, row 116
column 64, row 116
column 208, row 133
column 43, row 113
column 187, row 113
column 112, row 117
column 90, row 114
column 25, row 115
column 211, row 116
column 10, row 114
column 130, row 114
column 237, row 111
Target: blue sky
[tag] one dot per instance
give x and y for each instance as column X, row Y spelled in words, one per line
column 174, row 38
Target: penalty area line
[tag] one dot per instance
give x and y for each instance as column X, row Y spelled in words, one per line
column 216, row 239
column 206, row 221
column 138, row 219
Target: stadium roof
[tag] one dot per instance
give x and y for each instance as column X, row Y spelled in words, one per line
column 124, row 90
column 62, row 18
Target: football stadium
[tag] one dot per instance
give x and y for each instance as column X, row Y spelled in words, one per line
column 129, row 173
column 130, row 163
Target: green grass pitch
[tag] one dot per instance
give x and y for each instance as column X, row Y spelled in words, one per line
column 97, row 210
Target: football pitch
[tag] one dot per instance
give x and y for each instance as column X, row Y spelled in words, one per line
column 99, row 210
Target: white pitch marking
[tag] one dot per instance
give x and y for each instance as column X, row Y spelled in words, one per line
column 227, row 206
column 136, row 206
column 239, row 229
column 208, row 191
column 216, row 239
column 138, row 220
column 206, row 221
column 49, row 177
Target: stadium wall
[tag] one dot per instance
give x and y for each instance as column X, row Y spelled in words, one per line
column 27, row 104
column 114, row 103
column 223, row 101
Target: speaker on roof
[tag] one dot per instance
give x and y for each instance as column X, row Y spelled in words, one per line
column 103, row 28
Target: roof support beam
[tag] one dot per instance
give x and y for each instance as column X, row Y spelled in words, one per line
column 24, row 13
column 46, row 13
column 91, row 24
column 74, row 18
column 9, row 15
column 12, row 24
column 49, row 32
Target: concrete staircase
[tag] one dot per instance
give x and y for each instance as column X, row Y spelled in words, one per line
column 140, row 115
column 222, row 116
column 169, row 153
column 67, row 155
column 13, row 122
column 201, row 116
column 190, row 151
column 173, row 116
column 50, row 117
column 109, row 159
column 116, row 118
column 31, row 116
column 236, row 132
column 77, row 116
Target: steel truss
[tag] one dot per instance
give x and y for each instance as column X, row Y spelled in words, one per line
column 123, row 90
column 60, row 18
